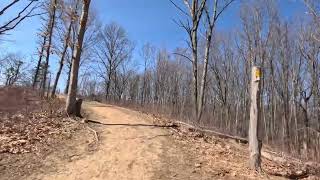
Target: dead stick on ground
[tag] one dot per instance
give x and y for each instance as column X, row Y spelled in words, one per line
column 221, row 135
column 293, row 175
column 124, row 124
column 95, row 133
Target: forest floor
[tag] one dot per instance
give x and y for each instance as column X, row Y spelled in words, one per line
column 128, row 144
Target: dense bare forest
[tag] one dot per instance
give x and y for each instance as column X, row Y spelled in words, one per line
column 209, row 83
column 205, row 83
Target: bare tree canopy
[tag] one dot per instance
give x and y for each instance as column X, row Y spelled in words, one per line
column 29, row 10
column 113, row 48
column 12, row 69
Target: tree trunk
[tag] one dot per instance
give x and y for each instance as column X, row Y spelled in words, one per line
column 48, row 85
column 61, row 60
column 78, row 107
column 144, row 86
column 72, row 93
column 108, row 84
column 194, row 41
column 68, row 80
column 35, row 79
column 51, row 26
column 204, row 75
column 254, row 142
column 306, row 129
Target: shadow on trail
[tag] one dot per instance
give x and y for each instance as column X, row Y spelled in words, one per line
column 133, row 125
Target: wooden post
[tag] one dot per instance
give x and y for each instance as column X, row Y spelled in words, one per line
column 254, row 143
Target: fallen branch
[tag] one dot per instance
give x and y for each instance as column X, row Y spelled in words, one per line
column 215, row 133
column 124, row 124
column 293, row 175
column 95, row 134
column 268, row 155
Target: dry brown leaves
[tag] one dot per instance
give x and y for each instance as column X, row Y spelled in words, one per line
column 27, row 121
column 228, row 159
column 21, row 133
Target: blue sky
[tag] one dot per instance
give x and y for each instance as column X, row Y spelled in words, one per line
column 145, row 21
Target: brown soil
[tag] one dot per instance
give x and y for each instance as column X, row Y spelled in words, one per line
column 130, row 146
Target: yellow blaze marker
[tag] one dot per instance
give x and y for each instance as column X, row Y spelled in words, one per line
column 258, row 73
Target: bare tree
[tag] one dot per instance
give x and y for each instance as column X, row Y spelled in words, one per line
column 195, row 11
column 69, row 60
column 112, row 49
column 12, row 69
column 211, row 22
column 147, row 53
column 88, row 43
column 51, row 26
column 72, row 93
column 69, row 19
column 43, row 35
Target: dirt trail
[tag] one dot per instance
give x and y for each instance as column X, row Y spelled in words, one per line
column 131, row 147
column 133, row 150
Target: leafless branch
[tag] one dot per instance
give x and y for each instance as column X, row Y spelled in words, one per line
column 179, row 54
column 313, row 11
column 14, row 22
column 8, row 6
column 223, row 9
column 179, row 8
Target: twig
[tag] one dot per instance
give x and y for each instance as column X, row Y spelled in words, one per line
column 94, row 133
column 179, row 54
column 179, row 8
